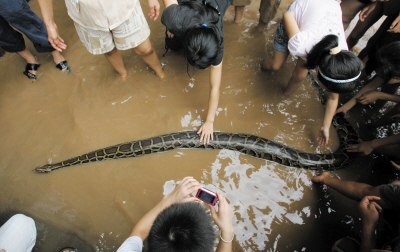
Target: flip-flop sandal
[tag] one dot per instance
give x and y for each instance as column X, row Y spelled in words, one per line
column 68, row 249
column 62, row 65
column 31, row 67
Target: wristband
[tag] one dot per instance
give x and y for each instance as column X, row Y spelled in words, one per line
column 220, row 236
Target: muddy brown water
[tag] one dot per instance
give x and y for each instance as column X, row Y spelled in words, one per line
column 276, row 208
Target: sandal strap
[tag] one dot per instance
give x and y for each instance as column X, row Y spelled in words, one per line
column 33, row 67
column 62, row 65
column 30, row 75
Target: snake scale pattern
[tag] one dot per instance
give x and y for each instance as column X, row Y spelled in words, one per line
column 247, row 144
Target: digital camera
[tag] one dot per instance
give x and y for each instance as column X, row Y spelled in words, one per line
column 207, row 196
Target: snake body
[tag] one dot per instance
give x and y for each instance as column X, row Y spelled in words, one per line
column 247, row 144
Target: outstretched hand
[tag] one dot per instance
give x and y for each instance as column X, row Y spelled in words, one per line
column 368, row 97
column 323, row 136
column 54, row 38
column 395, row 26
column 154, row 6
column 181, row 192
column 206, row 130
column 365, row 147
column 343, row 109
column 366, row 11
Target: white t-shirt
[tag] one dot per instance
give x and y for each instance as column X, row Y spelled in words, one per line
column 132, row 244
column 316, row 19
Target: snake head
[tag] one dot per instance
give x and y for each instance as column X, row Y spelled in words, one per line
column 43, row 169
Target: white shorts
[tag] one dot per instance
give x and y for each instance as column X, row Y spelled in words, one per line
column 18, row 234
column 129, row 34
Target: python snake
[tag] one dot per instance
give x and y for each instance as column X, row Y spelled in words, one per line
column 247, row 144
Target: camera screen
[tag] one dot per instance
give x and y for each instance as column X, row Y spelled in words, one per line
column 206, row 197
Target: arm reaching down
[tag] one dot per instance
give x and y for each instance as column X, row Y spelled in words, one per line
column 206, row 130
column 46, row 7
column 331, row 105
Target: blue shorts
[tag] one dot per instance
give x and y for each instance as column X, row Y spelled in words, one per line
column 281, row 39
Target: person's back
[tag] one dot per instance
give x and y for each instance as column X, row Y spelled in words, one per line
column 316, row 19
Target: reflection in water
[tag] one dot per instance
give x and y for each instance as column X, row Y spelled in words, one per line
column 260, row 196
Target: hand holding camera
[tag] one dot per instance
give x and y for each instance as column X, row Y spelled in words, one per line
column 223, row 218
column 181, row 192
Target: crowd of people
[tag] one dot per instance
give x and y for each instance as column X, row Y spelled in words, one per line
column 311, row 30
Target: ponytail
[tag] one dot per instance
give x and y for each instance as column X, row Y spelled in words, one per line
column 202, row 36
column 338, row 69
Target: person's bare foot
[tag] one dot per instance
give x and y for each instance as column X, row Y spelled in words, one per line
column 320, row 178
column 161, row 74
column 124, row 76
column 239, row 14
column 267, row 64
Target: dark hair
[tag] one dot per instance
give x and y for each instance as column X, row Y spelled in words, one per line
column 341, row 66
column 365, row 1
column 202, row 38
column 386, row 62
column 182, row 227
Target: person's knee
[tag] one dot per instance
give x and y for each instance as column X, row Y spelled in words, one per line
column 145, row 51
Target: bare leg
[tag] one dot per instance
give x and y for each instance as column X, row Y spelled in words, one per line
column 239, row 14
column 276, row 62
column 115, row 59
column 298, row 76
column 149, row 56
column 28, row 56
column 350, row 189
column 58, row 58
column 268, row 9
column 361, row 27
column 350, row 8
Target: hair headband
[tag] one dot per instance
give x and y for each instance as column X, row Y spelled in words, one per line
column 338, row 81
column 335, row 50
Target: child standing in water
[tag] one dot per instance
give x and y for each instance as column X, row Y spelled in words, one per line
column 196, row 27
column 312, row 30
column 106, row 27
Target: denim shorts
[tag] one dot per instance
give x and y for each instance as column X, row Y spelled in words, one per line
column 281, row 39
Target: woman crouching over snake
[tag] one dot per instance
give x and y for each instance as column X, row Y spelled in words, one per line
column 196, row 26
column 312, row 30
